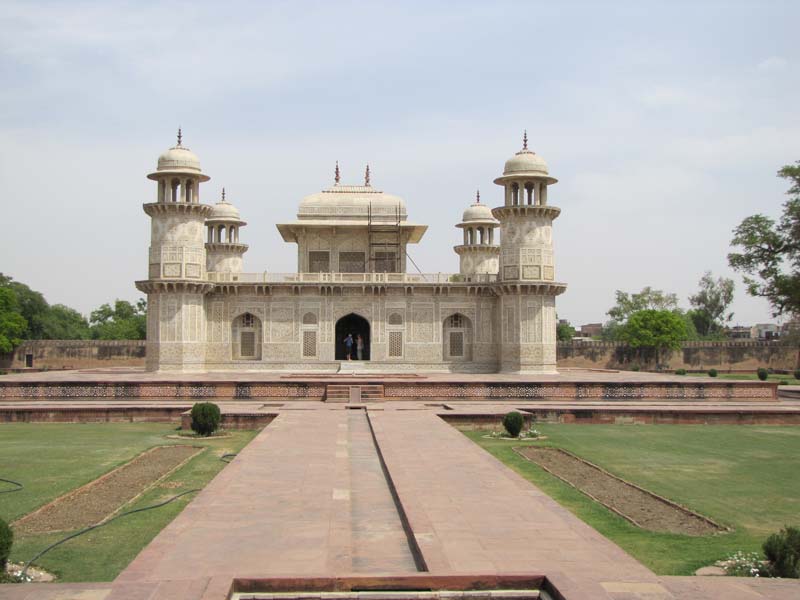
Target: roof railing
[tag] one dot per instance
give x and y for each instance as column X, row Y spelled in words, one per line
column 356, row 278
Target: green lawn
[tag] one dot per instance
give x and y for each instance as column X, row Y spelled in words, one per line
column 51, row 459
column 754, row 377
column 744, row 477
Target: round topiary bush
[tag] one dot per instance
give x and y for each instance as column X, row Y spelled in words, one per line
column 205, row 418
column 680, row 371
column 6, row 539
column 712, row 372
column 762, row 373
column 782, row 550
column 796, row 373
column 513, row 423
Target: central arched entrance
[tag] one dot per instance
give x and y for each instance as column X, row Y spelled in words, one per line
column 354, row 325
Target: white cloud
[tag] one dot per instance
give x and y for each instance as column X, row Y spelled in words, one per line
column 773, row 63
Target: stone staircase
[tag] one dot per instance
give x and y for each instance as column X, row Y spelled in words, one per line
column 345, row 392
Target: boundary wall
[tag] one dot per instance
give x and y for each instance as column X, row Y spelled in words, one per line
column 734, row 355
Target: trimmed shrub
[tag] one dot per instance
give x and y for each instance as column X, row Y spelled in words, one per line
column 205, row 418
column 712, row 372
column 762, row 373
column 513, row 423
column 635, row 368
column 783, row 382
column 782, row 550
column 6, row 539
column 796, row 373
column 680, row 371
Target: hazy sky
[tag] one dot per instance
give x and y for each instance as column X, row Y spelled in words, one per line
column 664, row 122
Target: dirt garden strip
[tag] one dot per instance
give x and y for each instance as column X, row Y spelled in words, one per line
column 101, row 498
column 639, row 506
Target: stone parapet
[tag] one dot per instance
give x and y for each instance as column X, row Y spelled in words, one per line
column 469, row 389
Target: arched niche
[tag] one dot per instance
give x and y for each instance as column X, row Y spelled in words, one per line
column 246, row 336
column 457, row 338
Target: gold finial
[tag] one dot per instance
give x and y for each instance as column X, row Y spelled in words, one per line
column 525, row 140
column 180, row 136
column 366, row 177
column 223, row 194
column 478, row 197
column 336, row 176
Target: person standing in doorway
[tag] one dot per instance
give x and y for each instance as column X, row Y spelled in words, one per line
column 348, row 345
column 360, row 347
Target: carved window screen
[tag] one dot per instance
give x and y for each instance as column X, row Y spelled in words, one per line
column 385, row 262
column 351, row 262
column 456, row 321
column 248, row 320
column 248, row 341
column 309, row 343
column 395, row 344
column 457, row 343
column 319, row 262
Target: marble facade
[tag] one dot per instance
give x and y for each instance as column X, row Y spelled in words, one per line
column 497, row 314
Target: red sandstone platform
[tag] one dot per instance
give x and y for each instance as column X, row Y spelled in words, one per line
column 386, row 492
column 128, row 383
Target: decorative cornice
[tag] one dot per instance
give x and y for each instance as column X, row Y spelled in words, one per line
column 475, row 248
column 536, row 288
column 533, row 210
column 162, row 286
column 233, row 247
column 165, row 208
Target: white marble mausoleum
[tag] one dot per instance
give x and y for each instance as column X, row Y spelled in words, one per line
column 205, row 312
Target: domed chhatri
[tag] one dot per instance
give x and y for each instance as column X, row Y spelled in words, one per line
column 178, row 160
column 354, row 277
column 224, row 211
column 526, row 163
column 223, row 249
column 478, row 212
column 478, row 255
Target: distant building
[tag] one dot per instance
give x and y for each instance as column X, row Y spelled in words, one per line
column 591, row 330
column 739, row 332
column 790, row 327
column 765, row 331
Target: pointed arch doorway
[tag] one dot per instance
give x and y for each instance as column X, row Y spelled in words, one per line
column 355, row 325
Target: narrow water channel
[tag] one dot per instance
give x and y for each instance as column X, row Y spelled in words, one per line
column 379, row 542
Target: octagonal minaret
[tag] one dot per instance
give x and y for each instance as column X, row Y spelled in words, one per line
column 478, row 255
column 223, row 250
column 526, row 279
column 177, row 263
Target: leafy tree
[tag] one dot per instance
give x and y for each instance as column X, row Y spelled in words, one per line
column 32, row 306
column 564, row 332
column 711, row 304
column 770, row 251
column 124, row 321
column 65, row 323
column 647, row 299
column 12, row 323
column 45, row 322
column 656, row 330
